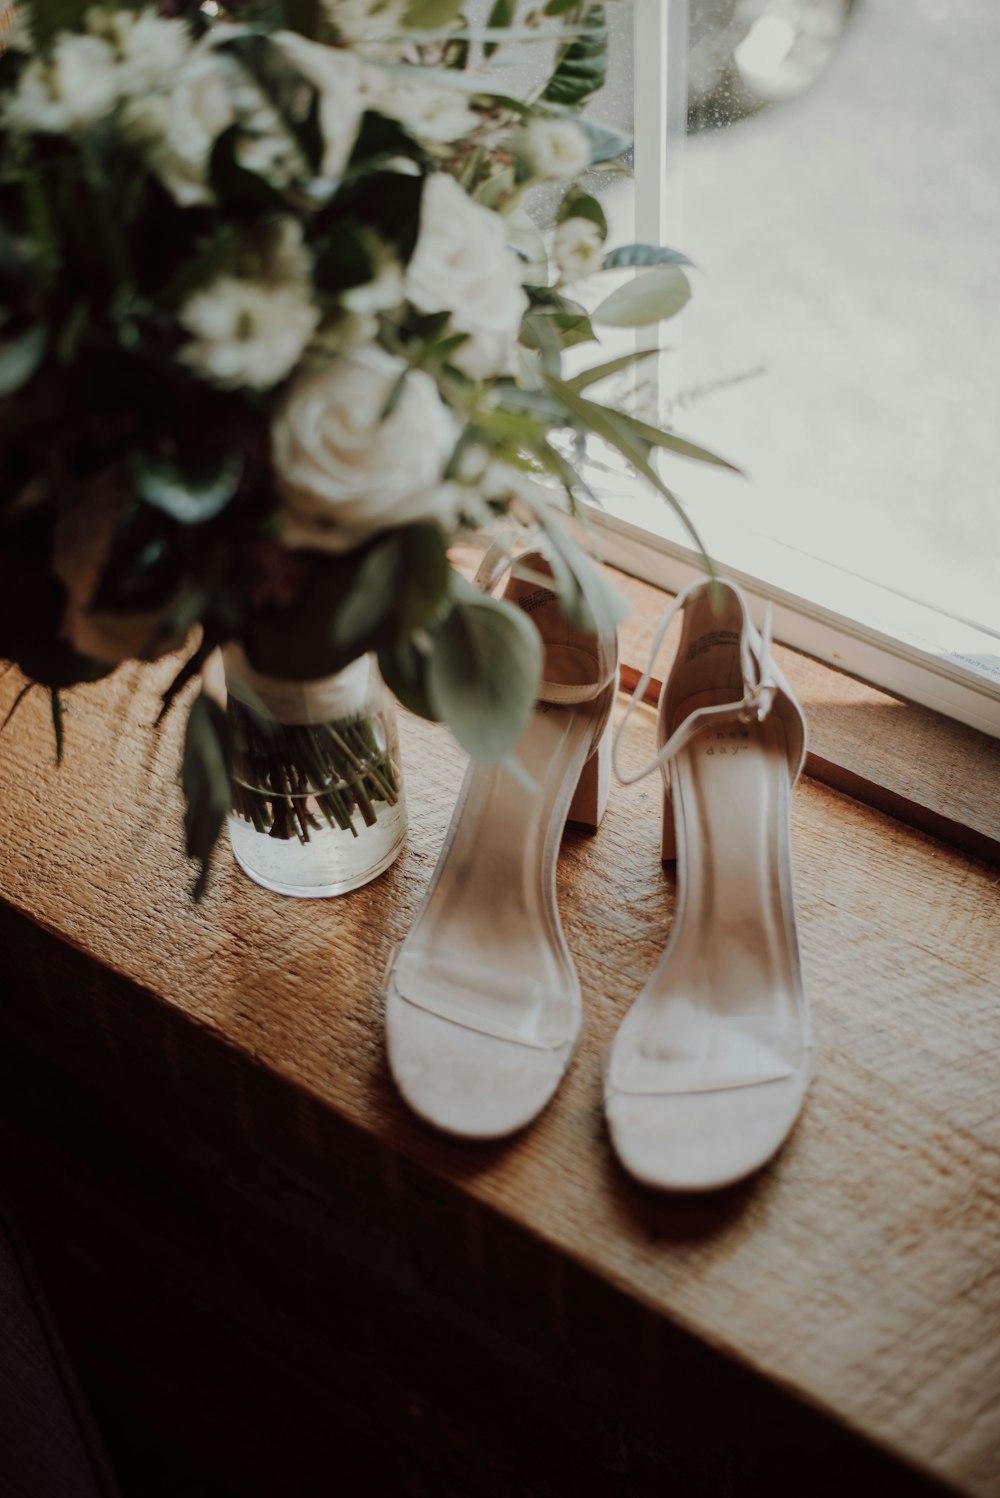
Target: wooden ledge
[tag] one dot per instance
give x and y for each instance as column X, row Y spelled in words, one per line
column 262, row 1261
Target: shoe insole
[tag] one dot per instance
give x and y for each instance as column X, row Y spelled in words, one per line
column 724, row 1006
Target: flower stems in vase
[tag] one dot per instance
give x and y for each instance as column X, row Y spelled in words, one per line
column 317, row 792
column 293, row 780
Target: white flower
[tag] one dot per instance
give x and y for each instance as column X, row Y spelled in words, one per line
column 440, row 115
column 462, row 264
column 338, row 77
column 68, row 91
column 149, row 48
column 246, row 333
column 384, row 291
column 177, row 128
column 578, row 247
column 347, row 469
column 553, row 149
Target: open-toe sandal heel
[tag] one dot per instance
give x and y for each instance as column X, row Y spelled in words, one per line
column 709, row 1069
column 483, row 1004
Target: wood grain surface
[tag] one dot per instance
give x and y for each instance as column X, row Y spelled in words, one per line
column 858, row 1276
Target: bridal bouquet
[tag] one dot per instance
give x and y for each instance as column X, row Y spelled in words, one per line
column 276, row 330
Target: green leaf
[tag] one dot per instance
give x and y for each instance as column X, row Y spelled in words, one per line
column 560, row 7
column 371, row 594
column 430, row 15
column 587, row 598
column 388, row 202
column 347, row 259
column 610, row 367
column 583, row 67
column 642, row 254
column 590, row 417
column 20, row 357
column 379, row 136
column 483, row 675
column 206, row 783
column 295, row 98
column 404, row 670
column 47, row 17
column 237, row 189
column 657, row 437
column 578, row 204
column 651, row 297
column 502, row 14
column 425, row 578
column 402, row 583
column 190, row 499
column 606, row 143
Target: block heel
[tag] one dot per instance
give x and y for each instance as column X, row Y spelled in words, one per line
column 590, row 799
column 668, row 844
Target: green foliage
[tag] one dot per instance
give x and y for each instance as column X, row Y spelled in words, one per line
column 20, row 357
column 483, row 674
column 430, row 15
column 643, row 254
column 206, row 783
column 582, row 69
column 580, row 204
column 653, row 296
column 190, row 498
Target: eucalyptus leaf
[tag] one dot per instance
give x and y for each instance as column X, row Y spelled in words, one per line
column 188, row 498
column 20, row 357
column 653, row 296
column 483, row 675
column 404, row 670
column 642, row 254
column 606, row 143
column 370, row 595
column 206, row 783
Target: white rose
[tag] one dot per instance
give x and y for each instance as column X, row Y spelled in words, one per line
column 177, row 129
column 578, row 247
column 462, row 264
column 553, row 149
column 246, row 333
column 72, row 89
column 338, row 77
column 440, row 115
column 347, row 470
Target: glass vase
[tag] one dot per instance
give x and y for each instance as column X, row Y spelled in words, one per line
column 318, row 806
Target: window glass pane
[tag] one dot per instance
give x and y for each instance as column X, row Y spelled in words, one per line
column 842, row 345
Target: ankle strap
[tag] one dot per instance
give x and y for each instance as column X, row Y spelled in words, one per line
column 500, row 559
column 759, row 688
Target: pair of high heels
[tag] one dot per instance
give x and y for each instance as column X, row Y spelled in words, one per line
column 708, row 1070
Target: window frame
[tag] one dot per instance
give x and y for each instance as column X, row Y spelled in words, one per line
column 901, row 645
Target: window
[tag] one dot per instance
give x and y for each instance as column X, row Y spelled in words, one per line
column 838, row 190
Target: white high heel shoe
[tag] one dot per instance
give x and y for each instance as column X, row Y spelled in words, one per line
column 483, row 1006
column 709, row 1069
